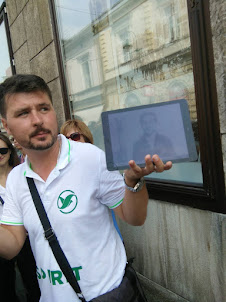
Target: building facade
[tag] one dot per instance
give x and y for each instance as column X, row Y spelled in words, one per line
column 104, row 55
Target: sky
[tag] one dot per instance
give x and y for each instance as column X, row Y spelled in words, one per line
column 76, row 15
column 73, row 16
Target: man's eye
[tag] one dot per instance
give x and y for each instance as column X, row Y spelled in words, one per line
column 45, row 109
column 22, row 113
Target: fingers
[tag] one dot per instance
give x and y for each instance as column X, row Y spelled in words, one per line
column 152, row 164
column 149, row 165
column 168, row 165
column 135, row 170
column 140, row 172
column 159, row 165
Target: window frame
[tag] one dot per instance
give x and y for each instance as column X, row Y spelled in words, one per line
column 4, row 18
column 210, row 196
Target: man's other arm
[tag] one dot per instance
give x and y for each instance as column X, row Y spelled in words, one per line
column 12, row 239
column 133, row 210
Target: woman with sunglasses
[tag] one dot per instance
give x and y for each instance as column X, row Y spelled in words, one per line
column 77, row 130
column 8, row 160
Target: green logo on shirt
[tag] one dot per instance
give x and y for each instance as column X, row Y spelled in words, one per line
column 67, row 201
column 56, row 277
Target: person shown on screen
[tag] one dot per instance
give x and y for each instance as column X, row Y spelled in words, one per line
column 151, row 140
column 77, row 191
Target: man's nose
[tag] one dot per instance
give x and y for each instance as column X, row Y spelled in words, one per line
column 37, row 118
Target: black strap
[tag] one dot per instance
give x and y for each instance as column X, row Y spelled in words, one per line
column 53, row 242
column 1, row 200
column 131, row 274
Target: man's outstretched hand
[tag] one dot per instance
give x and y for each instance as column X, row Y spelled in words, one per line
column 152, row 164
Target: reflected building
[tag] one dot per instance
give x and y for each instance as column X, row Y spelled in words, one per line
column 131, row 48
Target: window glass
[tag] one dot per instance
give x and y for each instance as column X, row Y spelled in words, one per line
column 5, row 70
column 120, row 54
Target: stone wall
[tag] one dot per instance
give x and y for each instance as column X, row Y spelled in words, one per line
column 180, row 253
column 33, row 45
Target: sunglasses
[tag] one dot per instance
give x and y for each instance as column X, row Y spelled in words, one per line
column 4, row 150
column 74, row 136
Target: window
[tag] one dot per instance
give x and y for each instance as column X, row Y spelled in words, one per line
column 6, row 58
column 140, row 52
column 86, row 75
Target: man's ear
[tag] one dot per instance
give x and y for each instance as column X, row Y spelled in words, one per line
column 5, row 125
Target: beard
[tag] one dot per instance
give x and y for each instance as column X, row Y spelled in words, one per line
column 41, row 146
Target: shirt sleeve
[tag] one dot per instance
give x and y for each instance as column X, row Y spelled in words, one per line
column 111, row 185
column 11, row 211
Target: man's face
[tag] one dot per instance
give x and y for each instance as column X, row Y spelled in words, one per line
column 149, row 124
column 31, row 119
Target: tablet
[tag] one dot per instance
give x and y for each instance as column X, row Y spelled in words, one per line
column 161, row 128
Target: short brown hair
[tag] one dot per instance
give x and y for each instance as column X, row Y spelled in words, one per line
column 83, row 129
column 21, row 83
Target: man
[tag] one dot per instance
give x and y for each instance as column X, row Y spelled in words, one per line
column 152, row 141
column 76, row 190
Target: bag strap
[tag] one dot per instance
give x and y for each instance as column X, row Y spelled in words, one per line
column 1, row 200
column 53, row 242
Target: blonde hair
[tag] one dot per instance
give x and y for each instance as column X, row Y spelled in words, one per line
column 83, row 129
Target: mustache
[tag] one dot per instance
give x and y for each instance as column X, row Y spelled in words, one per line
column 38, row 130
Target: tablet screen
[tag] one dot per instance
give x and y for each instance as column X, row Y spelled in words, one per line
column 162, row 128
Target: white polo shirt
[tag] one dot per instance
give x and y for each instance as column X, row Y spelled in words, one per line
column 77, row 197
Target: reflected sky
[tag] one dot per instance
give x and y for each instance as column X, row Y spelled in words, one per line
column 73, row 16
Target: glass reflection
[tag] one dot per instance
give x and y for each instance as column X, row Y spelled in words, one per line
column 120, row 54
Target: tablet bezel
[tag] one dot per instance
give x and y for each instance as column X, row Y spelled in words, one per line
column 188, row 133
